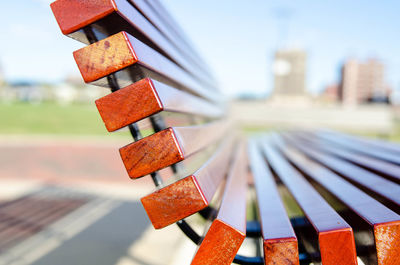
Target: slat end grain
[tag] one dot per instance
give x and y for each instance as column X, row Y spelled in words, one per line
column 338, row 247
column 174, row 202
column 281, row 251
column 129, row 104
column 72, row 15
column 151, row 153
column 105, row 57
column 387, row 240
column 220, row 245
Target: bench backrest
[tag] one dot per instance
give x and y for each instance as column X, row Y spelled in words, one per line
column 163, row 89
column 137, row 50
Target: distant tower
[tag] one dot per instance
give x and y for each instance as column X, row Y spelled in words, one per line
column 289, row 69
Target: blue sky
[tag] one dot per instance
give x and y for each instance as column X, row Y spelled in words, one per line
column 237, row 38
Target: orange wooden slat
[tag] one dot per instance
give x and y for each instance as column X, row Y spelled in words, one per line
column 388, row 146
column 228, row 230
column 72, row 15
column 335, row 236
column 168, row 147
column 190, row 194
column 362, row 147
column 157, row 18
column 147, row 97
column 376, row 165
column 113, row 16
column 371, row 181
column 122, row 51
column 384, row 222
column 279, row 239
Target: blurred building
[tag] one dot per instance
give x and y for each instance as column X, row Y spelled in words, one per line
column 331, row 93
column 363, row 82
column 71, row 90
column 289, row 70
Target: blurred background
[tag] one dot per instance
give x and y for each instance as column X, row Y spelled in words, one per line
column 284, row 64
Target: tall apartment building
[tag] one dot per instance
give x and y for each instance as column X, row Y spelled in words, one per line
column 289, row 69
column 362, row 82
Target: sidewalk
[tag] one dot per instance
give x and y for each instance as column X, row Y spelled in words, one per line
column 111, row 228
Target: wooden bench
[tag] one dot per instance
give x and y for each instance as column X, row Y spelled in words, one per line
column 346, row 188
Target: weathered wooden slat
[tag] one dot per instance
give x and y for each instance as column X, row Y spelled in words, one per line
column 384, row 222
column 168, row 147
column 335, row 236
column 279, row 240
column 376, row 165
column 148, row 97
column 73, row 15
column 365, row 178
column 131, row 60
column 228, row 230
column 361, row 147
column 190, row 194
column 112, row 16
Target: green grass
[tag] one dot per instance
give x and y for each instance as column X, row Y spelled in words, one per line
column 83, row 119
column 393, row 135
column 51, row 118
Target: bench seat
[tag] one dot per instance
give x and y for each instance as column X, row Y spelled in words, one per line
column 319, row 196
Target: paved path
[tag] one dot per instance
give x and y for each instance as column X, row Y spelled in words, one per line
column 112, row 228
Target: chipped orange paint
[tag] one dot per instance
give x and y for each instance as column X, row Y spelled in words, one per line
column 219, row 246
column 72, row 15
column 105, row 57
column 151, row 153
column 337, row 247
column 129, row 104
column 174, row 202
column 387, row 240
column 282, row 251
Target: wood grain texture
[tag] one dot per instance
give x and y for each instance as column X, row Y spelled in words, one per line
column 279, row 239
column 387, row 240
column 151, row 153
column 148, row 97
column 174, row 202
column 110, row 17
column 105, row 57
column 336, row 241
column 190, row 194
column 281, row 251
column 72, row 15
column 219, row 246
column 127, row 58
column 169, row 47
column 129, row 104
column 168, row 147
column 228, row 230
column 382, row 220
